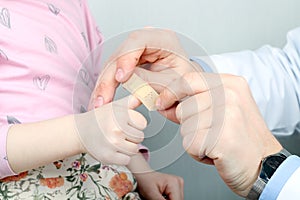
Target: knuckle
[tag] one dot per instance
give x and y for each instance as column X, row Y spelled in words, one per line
column 115, row 142
column 181, row 181
column 134, row 35
column 139, row 138
column 189, row 77
column 135, row 149
column 190, row 151
column 186, row 143
column 178, row 112
column 182, row 130
column 233, row 113
column 188, row 81
column 191, row 145
column 142, row 136
column 241, row 82
column 231, row 97
column 101, row 85
column 189, row 128
column 142, row 120
column 104, row 85
column 137, row 118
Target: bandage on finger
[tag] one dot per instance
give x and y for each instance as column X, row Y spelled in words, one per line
column 142, row 90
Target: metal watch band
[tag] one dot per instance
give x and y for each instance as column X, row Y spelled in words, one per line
column 260, row 184
column 256, row 189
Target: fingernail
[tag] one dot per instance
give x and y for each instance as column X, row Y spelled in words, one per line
column 98, row 102
column 119, row 75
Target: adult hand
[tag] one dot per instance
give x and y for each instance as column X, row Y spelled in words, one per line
column 159, row 186
column 111, row 133
column 160, row 48
column 221, row 125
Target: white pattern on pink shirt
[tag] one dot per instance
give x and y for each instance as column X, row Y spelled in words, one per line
column 42, row 48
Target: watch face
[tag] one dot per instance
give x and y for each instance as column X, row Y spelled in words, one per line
column 271, row 164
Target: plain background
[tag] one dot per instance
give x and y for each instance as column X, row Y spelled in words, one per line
column 217, row 25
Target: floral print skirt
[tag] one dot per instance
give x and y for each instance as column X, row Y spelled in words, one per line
column 78, row 177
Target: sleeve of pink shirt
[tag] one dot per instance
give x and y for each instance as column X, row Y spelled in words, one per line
column 5, row 169
column 94, row 39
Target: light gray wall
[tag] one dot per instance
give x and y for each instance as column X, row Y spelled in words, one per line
column 218, row 26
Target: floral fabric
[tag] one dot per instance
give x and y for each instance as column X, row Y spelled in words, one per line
column 79, row 177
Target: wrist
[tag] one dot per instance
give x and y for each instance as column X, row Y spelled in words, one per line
column 268, row 167
column 138, row 165
column 75, row 135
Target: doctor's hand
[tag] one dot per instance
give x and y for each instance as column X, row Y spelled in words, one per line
column 221, row 125
column 158, row 50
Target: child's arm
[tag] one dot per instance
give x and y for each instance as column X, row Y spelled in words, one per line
column 155, row 185
column 103, row 133
column 36, row 144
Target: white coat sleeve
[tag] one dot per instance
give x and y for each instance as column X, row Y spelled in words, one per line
column 273, row 75
column 285, row 182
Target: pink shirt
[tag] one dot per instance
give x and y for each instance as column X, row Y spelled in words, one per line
column 42, row 48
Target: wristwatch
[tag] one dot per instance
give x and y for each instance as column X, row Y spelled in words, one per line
column 268, row 167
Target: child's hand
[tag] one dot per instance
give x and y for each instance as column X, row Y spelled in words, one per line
column 159, row 186
column 111, row 133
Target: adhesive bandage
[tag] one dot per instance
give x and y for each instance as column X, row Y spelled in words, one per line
column 142, row 90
